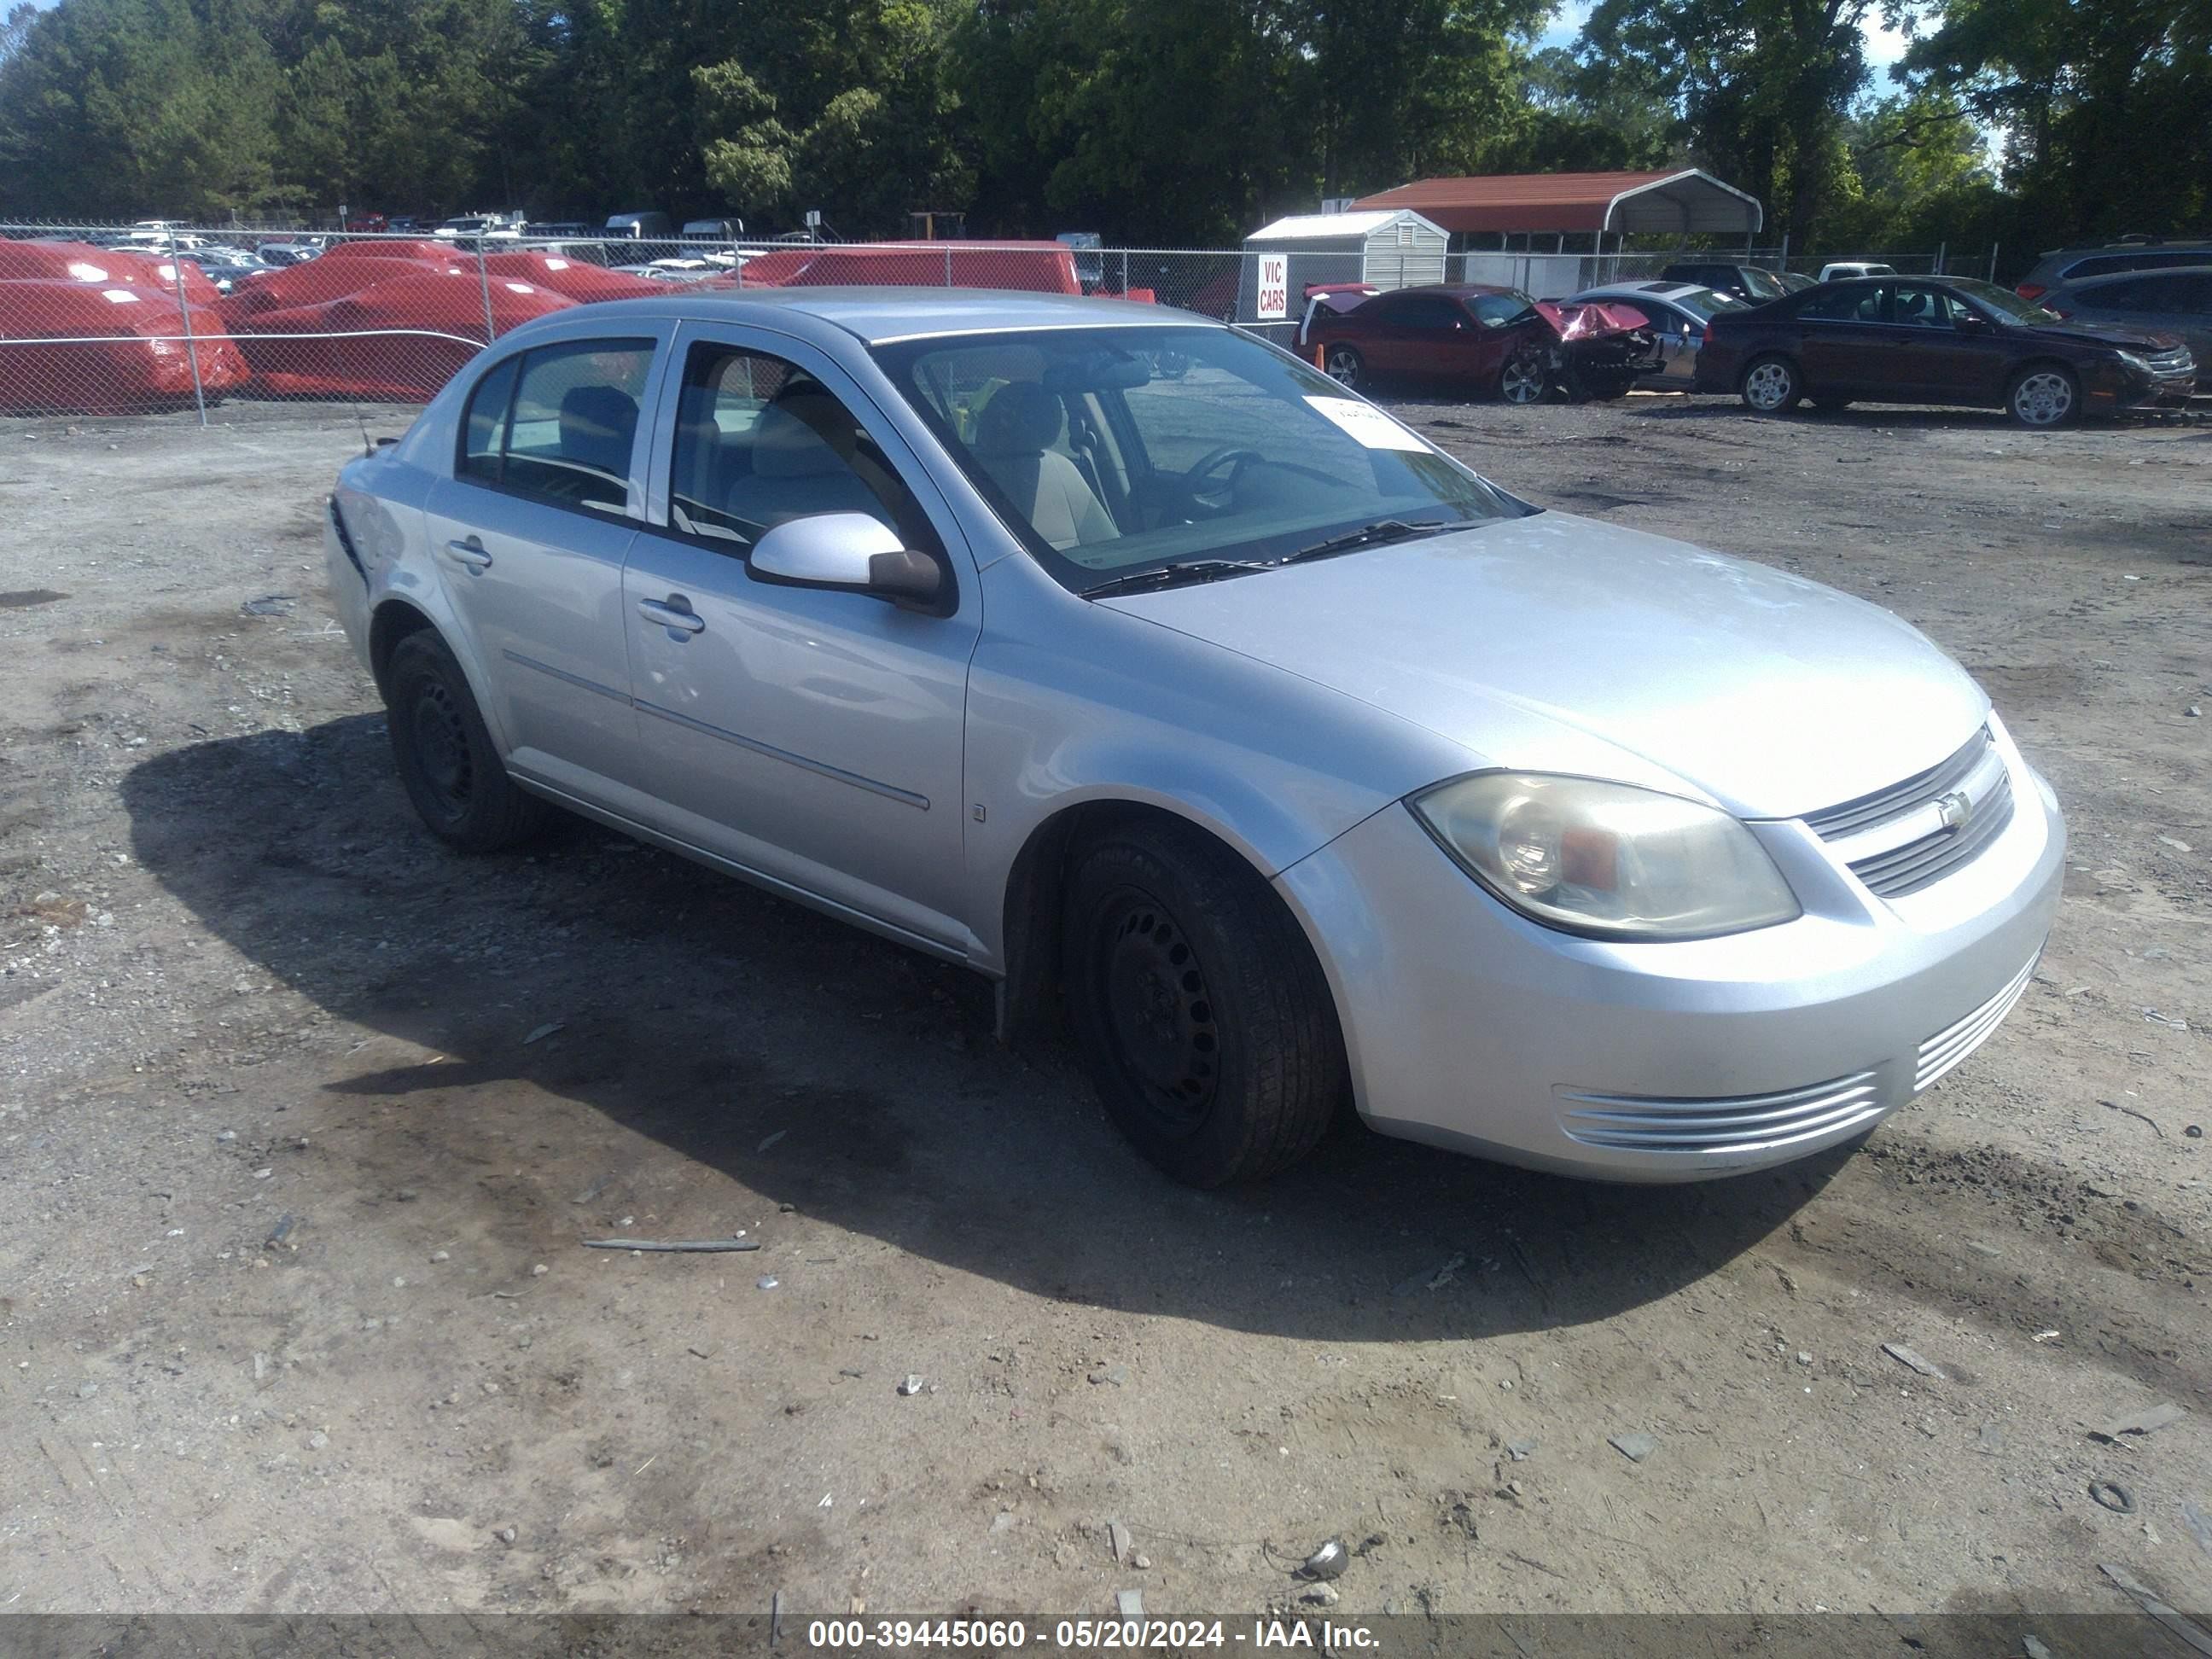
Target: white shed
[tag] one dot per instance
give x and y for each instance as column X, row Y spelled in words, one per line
column 1387, row 247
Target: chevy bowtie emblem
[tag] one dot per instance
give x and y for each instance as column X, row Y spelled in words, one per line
column 1956, row 808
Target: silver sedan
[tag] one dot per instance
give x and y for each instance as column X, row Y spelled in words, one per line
column 1679, row 313
column 1209, row 710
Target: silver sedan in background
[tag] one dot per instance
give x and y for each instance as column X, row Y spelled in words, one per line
column 1679, row 313
column 1134, row 664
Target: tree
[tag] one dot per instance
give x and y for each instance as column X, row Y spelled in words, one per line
column 120, row 108
column 1761, row 87
column 2104, row 105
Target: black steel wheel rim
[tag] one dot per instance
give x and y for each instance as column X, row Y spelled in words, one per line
column 441, row 749
column 1159, row 1016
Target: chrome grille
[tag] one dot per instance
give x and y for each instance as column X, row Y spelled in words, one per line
column 1900, row 840
column 1960, row 1038
column 1900, row 799
column 2170, row 364
column 1736, row 1123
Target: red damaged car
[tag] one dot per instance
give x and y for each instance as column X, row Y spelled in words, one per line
column 1479, row 339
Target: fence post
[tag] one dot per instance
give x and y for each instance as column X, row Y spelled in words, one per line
column 1125, row 273
column 948, row 265
column 1942, row 255
column 185, row 311
column 1993, row 262
column 1784, row 261
column 483, row 287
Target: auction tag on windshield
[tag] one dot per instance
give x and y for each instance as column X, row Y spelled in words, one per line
column 1367, row 425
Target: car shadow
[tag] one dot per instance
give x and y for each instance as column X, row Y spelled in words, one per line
column 848, row 1076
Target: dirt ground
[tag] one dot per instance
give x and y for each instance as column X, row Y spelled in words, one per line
column 302, row 1119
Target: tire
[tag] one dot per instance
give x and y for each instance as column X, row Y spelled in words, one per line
column 446, row 760
column 1772, row 386
column 2043, row 396
column 1344, row 365
column 1522, row 379
column 1199, row 1008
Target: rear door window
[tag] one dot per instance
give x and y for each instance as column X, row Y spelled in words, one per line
column 1431, row 313
column 558, row 424
column 1853, row 304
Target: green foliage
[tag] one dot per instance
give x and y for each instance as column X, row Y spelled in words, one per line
column 2105, row 106
column 1149, row 120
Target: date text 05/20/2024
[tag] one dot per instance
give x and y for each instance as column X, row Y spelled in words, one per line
column 1087, row 1635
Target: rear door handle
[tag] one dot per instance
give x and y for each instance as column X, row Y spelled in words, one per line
column 673, row 614
column 470, row 555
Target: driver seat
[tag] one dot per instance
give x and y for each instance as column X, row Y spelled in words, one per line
column 1013, row 443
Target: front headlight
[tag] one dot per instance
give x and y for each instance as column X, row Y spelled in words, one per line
column 1604, row 858
column 2140, row 365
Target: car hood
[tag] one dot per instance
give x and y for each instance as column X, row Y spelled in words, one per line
column 1553, row 642
column 2125, row 335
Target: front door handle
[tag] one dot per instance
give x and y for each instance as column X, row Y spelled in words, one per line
column 470, row 555
column 674, row 614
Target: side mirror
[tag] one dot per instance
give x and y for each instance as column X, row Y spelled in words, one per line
column 851, row 552
column 1969, row 322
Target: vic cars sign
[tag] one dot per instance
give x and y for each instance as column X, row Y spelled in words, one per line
column 1274, row 298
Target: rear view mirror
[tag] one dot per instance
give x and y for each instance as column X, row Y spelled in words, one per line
column 850, row 552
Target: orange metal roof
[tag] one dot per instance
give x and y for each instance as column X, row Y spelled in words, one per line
column 1678, row 199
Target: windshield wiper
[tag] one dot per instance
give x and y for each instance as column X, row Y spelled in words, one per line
column 1370, row 535
column 1175, row 576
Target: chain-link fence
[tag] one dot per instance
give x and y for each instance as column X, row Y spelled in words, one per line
column 104, row 319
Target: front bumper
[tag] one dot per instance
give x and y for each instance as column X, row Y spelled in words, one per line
column 1470, row 1027
column 2171, row 385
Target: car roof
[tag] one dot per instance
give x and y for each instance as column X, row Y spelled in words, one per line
column 879, row 315
column 2105, row 277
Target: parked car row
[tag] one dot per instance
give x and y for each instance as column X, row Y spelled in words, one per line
column 2093, row 345
column 1938, row 340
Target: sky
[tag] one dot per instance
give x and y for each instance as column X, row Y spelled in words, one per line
column 1883, row 46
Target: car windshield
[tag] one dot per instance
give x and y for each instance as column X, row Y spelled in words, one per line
column 1117, row 450
column 2003, row 302
column 1759, row 285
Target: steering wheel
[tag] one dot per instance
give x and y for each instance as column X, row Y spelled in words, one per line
column 1191, row 481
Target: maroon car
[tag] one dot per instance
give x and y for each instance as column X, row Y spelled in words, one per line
column 1937, row 340
column 1489, row 341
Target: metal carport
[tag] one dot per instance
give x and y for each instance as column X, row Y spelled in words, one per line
column 1681, row 202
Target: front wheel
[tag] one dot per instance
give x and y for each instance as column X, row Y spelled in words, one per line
column 2042, row 396
column 1344, row 365
column 1522, row 380
column 446, row 760
column 1771, row 386
column 1200, row 1011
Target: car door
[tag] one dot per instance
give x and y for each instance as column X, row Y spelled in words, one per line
column 2177, row 302
column 1948, row 352
column 1393, row 338
column 1678, row 335
column 530, row 533
column 811, row 737
column 1844, row 346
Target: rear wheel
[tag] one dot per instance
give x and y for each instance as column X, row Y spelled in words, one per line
column 1344, row 365
column 2044, row 395
column 445, row 754
column 1772, row 386
column 1200, row 1011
